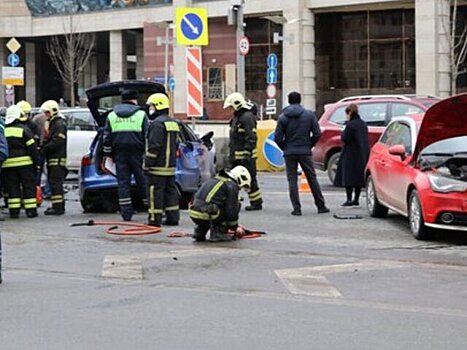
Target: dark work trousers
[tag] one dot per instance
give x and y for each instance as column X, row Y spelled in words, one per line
column 56, row 176
column 203, row 226
column 20, row 187
column 255, row 193
column 306, row 163
column 163, row 197
column 127, row 164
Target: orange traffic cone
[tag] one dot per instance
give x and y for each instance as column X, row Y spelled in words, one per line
column 304, row 186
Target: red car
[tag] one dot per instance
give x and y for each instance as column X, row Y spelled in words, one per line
column 376, row 110
column 418, row 169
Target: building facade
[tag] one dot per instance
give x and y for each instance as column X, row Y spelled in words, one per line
column 327, row 49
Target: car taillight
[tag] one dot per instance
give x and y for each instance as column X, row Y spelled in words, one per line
column 86, row 161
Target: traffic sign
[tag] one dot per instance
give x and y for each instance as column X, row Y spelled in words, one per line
column 172, row 84
column 13, row 76
column 13, row 45
column 194, row 82
column 192, row 26
column 271, row 76
column 271, row 90
column 13, row 59
column 244, row 46
column 9, row 95
column 271, row 102
column 270, row 111
column 272, row 60
column 272, row 153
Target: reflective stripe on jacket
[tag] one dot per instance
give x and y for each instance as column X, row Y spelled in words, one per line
column 21, row 145
column 243, row 136
column 219, row 193
column 163, row 141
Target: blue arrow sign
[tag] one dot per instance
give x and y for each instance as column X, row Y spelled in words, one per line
column 192, row 26
column 272, row 153
column 272, row 60
column 13, row 59
column 272, row 76
column 172, row 84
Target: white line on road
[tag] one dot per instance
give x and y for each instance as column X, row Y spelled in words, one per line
column 311, row 280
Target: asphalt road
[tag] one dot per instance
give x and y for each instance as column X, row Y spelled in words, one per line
column 313, row 282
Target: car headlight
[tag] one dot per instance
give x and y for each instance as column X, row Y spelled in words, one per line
column 445, row 184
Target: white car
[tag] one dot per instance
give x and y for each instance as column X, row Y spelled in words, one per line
column 82, row 129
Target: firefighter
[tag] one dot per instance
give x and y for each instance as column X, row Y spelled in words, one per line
column 124, row 142
column 19, row 169
column 216, row 204
column 160, row 162
column 242, row 145
column 54, row 151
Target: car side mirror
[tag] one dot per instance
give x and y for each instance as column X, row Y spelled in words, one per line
column 398, row 150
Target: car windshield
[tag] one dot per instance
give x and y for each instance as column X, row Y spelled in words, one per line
column 448, row 147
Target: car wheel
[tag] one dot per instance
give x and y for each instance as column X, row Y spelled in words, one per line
column 87, row 206
column 416, row 221
column 375, row 208
column 332, row 165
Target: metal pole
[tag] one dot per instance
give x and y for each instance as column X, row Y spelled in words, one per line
column 166, row 59
column 240, row 58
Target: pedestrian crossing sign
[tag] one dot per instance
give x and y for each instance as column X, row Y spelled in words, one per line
column 192, row 26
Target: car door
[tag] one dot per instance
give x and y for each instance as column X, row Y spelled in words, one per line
column 188, row 165
column 394, row 179
column 81, row 132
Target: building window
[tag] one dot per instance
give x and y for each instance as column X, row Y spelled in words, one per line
column 215, row 90
column 366, row 50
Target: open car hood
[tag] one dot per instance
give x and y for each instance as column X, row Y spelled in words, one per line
column 444, row 120
column 96, row 93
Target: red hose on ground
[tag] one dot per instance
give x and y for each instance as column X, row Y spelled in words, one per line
column 135, row 230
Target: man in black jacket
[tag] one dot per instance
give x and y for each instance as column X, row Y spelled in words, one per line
column 54, row 150
column 125, row 142
column 296, row 133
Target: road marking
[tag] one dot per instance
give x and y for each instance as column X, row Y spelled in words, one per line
column 122, row 267
column 313, row 282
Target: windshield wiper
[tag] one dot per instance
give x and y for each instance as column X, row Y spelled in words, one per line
column 437, row 154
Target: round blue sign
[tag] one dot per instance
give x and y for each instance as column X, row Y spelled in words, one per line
column 192, row 26
column 13, row 60
column 272, row 153
column 172, row 84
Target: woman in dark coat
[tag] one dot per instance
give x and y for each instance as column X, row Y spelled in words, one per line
column 354, row 156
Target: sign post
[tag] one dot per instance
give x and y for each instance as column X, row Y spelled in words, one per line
column 12, row 75
column 271, row 79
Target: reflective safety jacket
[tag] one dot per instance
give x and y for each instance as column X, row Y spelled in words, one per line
column 163, row 140
column 33, row 128
column 3, row 143
column 243, row 136
column 54, row 147
column 125, row 130
column 22, row 148
column 217, row 197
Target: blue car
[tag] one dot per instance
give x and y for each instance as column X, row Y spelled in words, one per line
column 98, row 189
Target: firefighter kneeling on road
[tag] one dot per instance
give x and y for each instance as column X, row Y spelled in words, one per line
column 54, row 150
column 19, row 169
column 216, row 204
column 160, row 162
